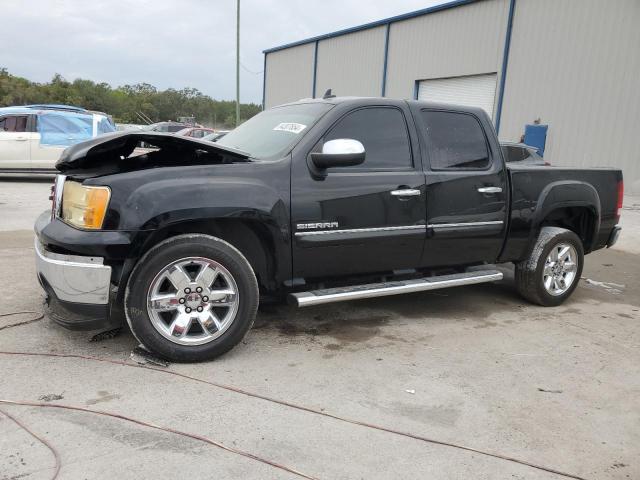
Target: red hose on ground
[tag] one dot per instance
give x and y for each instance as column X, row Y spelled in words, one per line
column 144, row 424
column 56, row 456
column 307, row 409
column 39, row 316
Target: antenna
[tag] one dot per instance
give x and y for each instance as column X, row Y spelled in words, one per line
column 328, row 94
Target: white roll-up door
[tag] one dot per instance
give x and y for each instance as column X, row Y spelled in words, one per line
column 469, row 91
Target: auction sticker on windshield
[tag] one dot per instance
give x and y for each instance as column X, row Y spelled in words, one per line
column 290, row 127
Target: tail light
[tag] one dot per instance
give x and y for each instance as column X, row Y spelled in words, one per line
column 620, row 197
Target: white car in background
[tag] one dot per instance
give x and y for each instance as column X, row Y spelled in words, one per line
column 33, row 137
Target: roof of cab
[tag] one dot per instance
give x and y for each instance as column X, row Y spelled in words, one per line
column 37, row 109
column 54, row 106
column 16, row 110
column 358, row 101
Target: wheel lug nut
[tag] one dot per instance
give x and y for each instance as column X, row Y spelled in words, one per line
column 188, row 310
column 181, row 300
column 205, row 299
column 187, row 290
column 199, row 289
column 199, row 309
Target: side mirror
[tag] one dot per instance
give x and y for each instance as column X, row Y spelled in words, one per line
column 341, row 152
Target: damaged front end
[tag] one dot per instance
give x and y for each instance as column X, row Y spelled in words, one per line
column 90, row 239
column 128, row 151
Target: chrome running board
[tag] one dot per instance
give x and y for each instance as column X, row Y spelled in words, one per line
column 355, row 292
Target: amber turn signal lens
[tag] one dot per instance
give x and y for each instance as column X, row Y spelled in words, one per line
column 83, row 206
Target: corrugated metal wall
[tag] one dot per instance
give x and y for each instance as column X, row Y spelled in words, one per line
column 465, row 40
column 576, row 65
column 352, row 64
column 289, row 75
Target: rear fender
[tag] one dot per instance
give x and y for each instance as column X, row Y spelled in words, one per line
column 565, row 194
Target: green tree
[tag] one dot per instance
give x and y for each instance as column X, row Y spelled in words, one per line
column 125, row 102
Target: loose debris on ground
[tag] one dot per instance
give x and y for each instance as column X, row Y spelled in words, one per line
column 109, row 334
column 614, row 288
column 50, row 397
column 142, row 356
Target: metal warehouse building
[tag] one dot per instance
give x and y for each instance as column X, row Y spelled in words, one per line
column 573, row 64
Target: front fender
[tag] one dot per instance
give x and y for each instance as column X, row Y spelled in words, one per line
column 157, row 204
column 149, row 203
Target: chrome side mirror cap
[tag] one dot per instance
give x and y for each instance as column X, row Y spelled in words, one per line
column 341, row 152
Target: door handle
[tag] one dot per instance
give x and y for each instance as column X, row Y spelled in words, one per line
column 405, row 192
column 490, row 190
column 21, row 139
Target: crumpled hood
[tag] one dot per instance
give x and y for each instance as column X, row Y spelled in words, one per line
column 114, row 148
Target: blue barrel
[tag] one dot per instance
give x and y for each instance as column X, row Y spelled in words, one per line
column 536, row 136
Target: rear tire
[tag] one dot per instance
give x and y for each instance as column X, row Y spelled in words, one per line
column 552, row 271
column 191, row 298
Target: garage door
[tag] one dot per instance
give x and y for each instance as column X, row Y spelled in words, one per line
column 469, row 91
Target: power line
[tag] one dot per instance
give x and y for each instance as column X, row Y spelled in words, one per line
column 250, row 71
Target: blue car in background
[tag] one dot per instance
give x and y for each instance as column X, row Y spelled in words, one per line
column 32, row 137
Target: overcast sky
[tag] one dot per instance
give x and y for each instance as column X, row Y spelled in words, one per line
column 170, row 43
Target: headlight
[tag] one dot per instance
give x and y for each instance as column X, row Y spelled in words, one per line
column 84, row 207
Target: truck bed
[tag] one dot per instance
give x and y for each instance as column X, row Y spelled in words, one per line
column 533, row 191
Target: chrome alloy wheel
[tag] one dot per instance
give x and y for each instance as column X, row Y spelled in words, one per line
column 560, row 269
column 192, row 301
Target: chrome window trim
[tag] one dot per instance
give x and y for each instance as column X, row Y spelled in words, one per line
column 468, row 224
column 364, row 230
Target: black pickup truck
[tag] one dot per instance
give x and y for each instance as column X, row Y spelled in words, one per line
column 316, row 201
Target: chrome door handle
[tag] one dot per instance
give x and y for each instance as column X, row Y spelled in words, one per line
column 21, row 139
column 405, row 192
column 490, row 190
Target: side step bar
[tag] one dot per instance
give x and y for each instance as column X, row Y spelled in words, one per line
column 341, row 294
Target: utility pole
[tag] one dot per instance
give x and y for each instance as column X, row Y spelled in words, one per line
column 238, row 64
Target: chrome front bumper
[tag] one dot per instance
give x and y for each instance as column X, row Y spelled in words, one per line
column 73, row 278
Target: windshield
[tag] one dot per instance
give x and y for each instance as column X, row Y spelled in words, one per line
column 273, row 132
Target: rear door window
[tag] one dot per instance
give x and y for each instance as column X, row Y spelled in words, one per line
column 455, row 141
column 13, row 123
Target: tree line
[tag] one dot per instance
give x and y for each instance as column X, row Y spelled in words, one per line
column 126, row 103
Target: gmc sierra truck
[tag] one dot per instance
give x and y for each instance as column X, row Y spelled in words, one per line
column 317, row 201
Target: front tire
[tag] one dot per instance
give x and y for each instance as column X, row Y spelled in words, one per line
column 552, row 271
column 191, row 298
